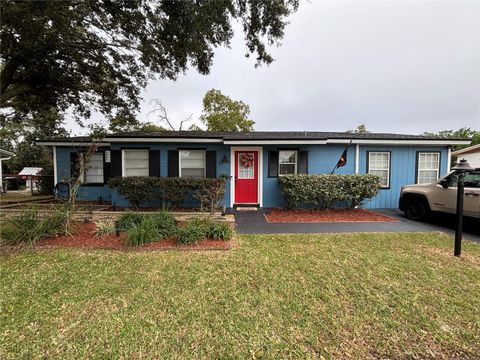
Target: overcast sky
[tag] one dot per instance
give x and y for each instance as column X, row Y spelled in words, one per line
column 405, row 67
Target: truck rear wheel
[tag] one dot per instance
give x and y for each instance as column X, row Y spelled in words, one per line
column 415, row 209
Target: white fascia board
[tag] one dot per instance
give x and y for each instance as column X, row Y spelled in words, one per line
column 399, row 142
column 66, row 143
column 163, row 140
column 466, row 150
column 274, row 142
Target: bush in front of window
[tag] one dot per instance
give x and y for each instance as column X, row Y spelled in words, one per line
column 136, row 189
column 171, row 192
column 325, row 190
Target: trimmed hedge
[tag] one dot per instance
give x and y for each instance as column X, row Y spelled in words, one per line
column 171, row 192
column 324, row 191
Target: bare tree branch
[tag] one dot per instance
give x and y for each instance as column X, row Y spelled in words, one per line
column 161, row 111
column 189, row 118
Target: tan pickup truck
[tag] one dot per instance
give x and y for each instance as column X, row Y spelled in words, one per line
column 417, row 201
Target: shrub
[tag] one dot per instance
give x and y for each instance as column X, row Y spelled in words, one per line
column 171, row 192
column 191, row 233
column 324, row 191
column 144, row 232
column 29, row 227
column 129, row 219
column 219, row 231
column 136, row 189
column 209, row 192
column 105, row 227
column 200, row 228
column 165, row 223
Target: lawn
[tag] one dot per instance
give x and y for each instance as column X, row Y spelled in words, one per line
column 272, row 296
column 24, row 196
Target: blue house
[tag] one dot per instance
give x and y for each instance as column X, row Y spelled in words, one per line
column 253, row 161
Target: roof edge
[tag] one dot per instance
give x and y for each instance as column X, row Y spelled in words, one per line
column 466, row 150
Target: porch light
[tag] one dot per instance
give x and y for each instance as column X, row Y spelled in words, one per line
column 461, row 167
column 224, row 159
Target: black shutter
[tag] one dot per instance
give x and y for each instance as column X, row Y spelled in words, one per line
column 154, row 163
column 302, row 166
column 74, row 165
column 115, row 163
column 106, row 169
column 272, row 163
column 211, row 163
column 172, row 163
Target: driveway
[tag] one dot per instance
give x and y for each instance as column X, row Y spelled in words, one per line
column 253, row 222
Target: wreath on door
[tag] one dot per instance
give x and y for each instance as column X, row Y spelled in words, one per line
column 247, row 160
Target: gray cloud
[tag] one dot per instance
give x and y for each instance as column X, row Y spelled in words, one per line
column 405, row 67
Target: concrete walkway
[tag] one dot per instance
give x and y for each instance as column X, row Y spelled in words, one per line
column 253, row 222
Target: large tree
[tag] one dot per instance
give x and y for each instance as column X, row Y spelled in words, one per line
column 99, row 54
column 221, row 113
column 462, row 133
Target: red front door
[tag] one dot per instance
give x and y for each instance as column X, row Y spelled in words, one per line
column 246, row 177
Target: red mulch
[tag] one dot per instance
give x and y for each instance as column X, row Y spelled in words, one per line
column 84, row 236
column 334, row 215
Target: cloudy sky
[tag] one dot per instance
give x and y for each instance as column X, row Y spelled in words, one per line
column 405, row 67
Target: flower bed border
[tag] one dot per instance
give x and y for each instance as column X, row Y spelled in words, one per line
column 274, row 216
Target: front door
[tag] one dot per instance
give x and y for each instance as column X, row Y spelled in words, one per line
column 246, row 177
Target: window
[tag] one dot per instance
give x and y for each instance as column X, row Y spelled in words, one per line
column 428, row 167
column 472, row 179
column 135, row 163
column 192, row 163
column 379, row 164
column 246, row 165
column 287, row 162
column 93, row 173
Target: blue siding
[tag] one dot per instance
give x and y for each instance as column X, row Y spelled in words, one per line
column 164, row 148
column 94, row 192
column 403, row 161
column 85, row 193
column 321, row 160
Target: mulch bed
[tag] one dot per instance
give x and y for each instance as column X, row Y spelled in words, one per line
column 84, row 237
column 334, row 215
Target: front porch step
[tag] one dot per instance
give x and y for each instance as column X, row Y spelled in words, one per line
column 246, row 207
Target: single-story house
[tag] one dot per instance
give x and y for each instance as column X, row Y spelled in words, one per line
column 253, row 161
column 471, row 154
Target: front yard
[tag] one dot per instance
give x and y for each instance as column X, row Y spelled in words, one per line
column 272, row 296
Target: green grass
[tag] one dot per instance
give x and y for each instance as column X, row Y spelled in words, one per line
column 297, row 296
column 13, row 197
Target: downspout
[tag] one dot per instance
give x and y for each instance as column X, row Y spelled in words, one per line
column 357, row 158
column 54, row 148
column 449, row 159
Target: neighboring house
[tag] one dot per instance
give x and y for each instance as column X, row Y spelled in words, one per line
column 31, row 175
column 254, row 160
column 471, row 154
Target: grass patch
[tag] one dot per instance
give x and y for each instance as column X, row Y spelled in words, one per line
column 274, row 296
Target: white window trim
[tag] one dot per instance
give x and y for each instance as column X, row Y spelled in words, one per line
column 83, row 178
column 204, row 161
column 388, row 169
column 123, row 159
column 296, row 162
column 260, row 171
column 418, row 163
